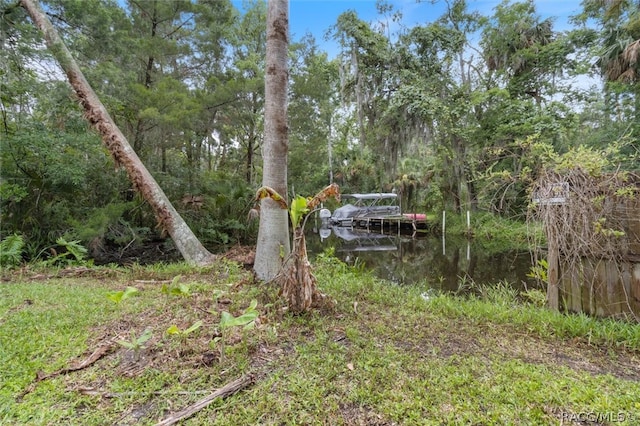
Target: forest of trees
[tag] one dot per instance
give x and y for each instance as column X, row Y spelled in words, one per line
column 460, row 113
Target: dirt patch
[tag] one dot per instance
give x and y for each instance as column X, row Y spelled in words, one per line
column 146, row 253
column 244, row 255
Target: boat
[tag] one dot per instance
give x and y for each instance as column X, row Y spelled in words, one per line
column 378, row 210
column 363, row 206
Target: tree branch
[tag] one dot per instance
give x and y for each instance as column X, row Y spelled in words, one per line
column 223, row 392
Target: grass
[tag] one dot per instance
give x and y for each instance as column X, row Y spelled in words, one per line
column 494, row 233
column 386, row 354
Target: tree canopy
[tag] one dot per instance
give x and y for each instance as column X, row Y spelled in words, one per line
column 458, row 113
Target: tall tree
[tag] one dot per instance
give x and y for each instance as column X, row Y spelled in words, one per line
column 273, row 235
column 517, row 44
column 370, row 77
column 618, row 52
column 438, row 91
column 166, row 215
column 313, row 110
column 246, row 80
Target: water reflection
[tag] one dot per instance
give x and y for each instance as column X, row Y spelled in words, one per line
column 405, row 259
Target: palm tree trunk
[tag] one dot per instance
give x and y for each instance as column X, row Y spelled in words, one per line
column 168, row 218
column 273, row 236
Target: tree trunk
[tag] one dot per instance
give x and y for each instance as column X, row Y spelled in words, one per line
column 168, row 218
column 273, row 235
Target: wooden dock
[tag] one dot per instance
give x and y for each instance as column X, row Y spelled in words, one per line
column 407, row 223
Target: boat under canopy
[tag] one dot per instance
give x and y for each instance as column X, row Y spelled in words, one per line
column 378, row 205
column 374, row 210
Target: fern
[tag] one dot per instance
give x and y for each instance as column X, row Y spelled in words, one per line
column 73, row 247
column 75, row 253
column 11, row 250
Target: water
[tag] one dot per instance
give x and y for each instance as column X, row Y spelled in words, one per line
column 452, row 266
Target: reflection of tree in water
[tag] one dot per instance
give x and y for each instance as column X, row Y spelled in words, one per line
column 421, row 261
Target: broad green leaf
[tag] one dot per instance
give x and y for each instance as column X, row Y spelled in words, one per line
column 243, row 319
column 225, row 319
column 130, row 291
column 253, row 305
column 115, row 296
column 228, row 320
column 173, row 330
column 144, row 337
column 298, row 210
column 73, row 247
column 184, row 289
column 217, row 294
column 196, row 325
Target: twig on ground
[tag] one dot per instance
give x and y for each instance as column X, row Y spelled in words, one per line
column 223, row 392
column 95, row 356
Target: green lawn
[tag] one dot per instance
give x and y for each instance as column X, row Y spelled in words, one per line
column 386, row 354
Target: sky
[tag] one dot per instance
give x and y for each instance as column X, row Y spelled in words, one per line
column 317, row 16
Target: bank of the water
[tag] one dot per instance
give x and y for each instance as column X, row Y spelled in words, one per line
column 385, row 355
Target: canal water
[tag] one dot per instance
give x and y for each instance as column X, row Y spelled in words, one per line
column 452, row 265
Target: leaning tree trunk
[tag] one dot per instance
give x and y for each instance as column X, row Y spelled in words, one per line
column 273, row 234
column 166, row 215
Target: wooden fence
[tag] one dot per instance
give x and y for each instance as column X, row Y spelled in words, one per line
column 593, row 236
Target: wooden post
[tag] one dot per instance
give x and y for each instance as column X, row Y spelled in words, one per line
column 553, row 255
column 444, row 220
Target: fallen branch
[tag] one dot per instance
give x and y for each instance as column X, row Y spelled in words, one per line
column 40, row 376
column 223, row 392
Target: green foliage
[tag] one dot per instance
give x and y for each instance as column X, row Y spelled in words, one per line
column 12, row 193
column 120, row 295
column 109, row 224
column 535, row 297
column 592, row 161
column 137, row 343
column 174, row 330
column 223, row 216
column 415, row 110
column 245, row 320
column 493, row 233
column 11, row 250
column 600, row 228
column 539, row 271
column 58, row 179
column 64, row 253
column 501, row 293
column 297, row 210
column 176, row 288
column 74, row 248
